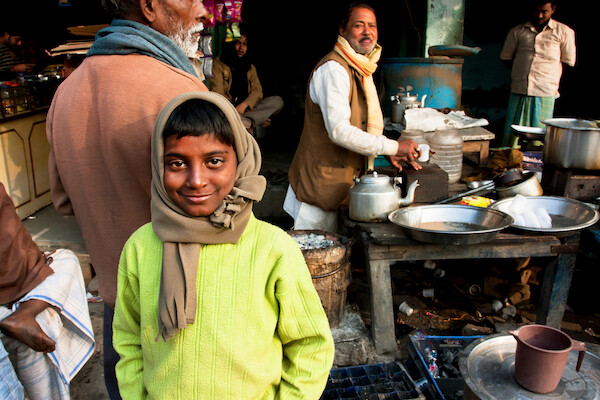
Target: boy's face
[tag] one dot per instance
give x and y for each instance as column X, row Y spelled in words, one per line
column 199, row 172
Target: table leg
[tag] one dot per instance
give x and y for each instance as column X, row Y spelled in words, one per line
column 484, row 152
column 382, row 307
column 555, row 290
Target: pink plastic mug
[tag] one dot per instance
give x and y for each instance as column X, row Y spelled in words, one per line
column 541, row 356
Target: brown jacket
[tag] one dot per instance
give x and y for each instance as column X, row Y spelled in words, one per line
column 23, row 265
column 321, row 172
column 222, row 80
column 99, row 127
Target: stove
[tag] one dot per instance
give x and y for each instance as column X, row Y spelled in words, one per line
column 578, row 184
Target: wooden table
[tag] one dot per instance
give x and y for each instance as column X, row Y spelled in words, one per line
column 384, row 243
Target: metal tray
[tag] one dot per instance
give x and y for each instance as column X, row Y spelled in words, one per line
column 529, row 132
column 488, row 368
column 567, row 214
column 450, row 223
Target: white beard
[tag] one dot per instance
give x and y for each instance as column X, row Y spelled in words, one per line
column 185, row 39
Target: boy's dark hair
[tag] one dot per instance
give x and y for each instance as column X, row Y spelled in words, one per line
column 356, row 4
column 197, row 117
column 536, row 3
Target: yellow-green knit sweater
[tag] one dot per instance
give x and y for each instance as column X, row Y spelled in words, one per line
column 260, row 330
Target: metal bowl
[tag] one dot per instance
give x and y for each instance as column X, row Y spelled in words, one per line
column 567, row 214
column 450, row 223
column 528, row 186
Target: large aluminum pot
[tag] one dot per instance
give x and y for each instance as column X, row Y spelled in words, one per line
column 572, row 143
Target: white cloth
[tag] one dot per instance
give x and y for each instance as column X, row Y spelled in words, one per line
column 10, row 387
column 307, row 216
column 329, row 88
column 430, row 119
column 47, row 376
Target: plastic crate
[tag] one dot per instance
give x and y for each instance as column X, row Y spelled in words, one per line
column 421, row 366
column 385, row 381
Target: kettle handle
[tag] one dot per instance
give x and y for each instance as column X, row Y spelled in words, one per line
column 397, row 181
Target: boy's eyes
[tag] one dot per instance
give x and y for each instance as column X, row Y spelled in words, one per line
column 176, row 164
column 182, row 164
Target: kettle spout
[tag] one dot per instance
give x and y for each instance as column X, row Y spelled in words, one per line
column 423, row 101
column 410, row 195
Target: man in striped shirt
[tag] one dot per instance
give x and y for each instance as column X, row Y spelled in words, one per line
column 10, row 55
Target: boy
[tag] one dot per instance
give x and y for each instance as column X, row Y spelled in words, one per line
column 213, row 303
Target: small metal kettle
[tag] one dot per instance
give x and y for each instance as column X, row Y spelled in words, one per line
column 374, row 196
column 402, row 101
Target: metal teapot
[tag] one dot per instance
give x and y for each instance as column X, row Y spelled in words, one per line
column 402, row 101
column 374, row 196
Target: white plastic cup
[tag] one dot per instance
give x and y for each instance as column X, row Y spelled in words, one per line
column 405, row 308
column 424, row 153
column 497, row 305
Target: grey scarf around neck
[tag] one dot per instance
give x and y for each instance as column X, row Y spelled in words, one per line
column 126, row 37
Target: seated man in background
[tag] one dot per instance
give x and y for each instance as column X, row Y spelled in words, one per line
column 236, row 78
column 46, row 332
column 11, row 62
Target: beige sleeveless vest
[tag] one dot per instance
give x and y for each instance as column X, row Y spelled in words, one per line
column 321, row 172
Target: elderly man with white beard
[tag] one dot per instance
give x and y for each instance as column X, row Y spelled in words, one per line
column 99, row 127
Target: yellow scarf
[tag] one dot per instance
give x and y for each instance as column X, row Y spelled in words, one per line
column 365, row 65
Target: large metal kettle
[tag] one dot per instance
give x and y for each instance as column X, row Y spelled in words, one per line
column 373, row 196
column 402, row 101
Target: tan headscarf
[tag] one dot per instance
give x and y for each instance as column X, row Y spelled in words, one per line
column 182, row 234
column 22, row 264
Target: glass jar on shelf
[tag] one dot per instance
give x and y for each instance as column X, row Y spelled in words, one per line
column 21, row 100
column 8, row 101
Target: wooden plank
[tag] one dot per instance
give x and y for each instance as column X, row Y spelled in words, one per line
column 556, row 283
column 555, row 290
column 446, row 252
column 390, row 234
column 481, row 147
column 382, row 307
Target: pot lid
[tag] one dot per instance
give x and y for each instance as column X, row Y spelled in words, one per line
column 409, row 97
column 573, row 123
column 375, row 179
column 488, row 368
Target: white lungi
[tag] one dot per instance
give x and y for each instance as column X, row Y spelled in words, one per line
column 47, row 376
column 307, row 216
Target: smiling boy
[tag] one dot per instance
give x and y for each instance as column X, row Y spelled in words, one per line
column 213, row 303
